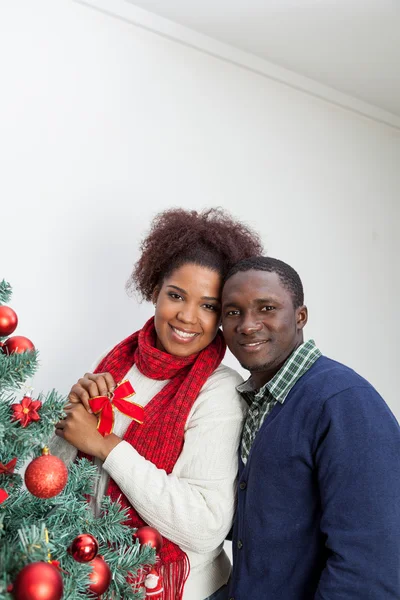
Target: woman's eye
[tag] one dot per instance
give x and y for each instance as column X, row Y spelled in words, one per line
column 210, row 307
column 174, row 295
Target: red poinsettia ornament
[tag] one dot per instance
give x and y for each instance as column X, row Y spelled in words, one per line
column 26, row 411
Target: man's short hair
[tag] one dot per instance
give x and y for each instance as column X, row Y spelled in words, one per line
column 289, row 277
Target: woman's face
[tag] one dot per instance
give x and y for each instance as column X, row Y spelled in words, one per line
column 188, row 310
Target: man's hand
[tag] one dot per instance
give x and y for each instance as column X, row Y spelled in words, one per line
column 89, row 386
column 79, row 428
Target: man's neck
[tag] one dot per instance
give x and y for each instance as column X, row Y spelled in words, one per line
column 260, row 378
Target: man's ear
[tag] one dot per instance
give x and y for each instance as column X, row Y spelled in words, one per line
column 154, row 296
column 301, row 316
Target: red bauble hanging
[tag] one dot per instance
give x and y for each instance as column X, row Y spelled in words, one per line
column 18, row 344
column 38, row 581
column 46, row 476
column 100, row 576
column 84, row 548
column 8, row 321
column 149, row 535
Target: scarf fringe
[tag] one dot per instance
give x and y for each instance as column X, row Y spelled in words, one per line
column 174, row 576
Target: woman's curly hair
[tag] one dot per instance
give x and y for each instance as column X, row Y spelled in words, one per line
column 211, row 238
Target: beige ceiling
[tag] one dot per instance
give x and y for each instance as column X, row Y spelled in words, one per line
column 352, row 46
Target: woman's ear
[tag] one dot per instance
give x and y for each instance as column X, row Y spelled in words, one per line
column 155, row 294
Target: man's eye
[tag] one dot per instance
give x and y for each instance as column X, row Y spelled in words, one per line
column 232, row 313
column 268, row 308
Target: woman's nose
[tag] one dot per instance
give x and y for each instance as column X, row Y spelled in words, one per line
column 188, row 315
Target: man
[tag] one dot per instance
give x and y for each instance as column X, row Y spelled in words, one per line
column 318, row 514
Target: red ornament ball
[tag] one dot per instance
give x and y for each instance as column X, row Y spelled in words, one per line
column 8, row 320
column 100, row 577
column 18, row 344
column 149, row 535
column 84, row 548
column 38, row 581
column 46, row 476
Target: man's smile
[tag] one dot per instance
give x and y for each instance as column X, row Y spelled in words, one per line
column 253, row 345
column 253, row 342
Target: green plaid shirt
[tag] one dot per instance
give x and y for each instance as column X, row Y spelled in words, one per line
column 262, row 401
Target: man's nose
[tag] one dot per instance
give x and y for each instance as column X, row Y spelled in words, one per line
column 249, row 324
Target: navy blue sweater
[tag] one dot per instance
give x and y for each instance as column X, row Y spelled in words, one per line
column 318, row 514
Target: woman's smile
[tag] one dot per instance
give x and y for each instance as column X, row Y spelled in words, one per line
column 183, row 335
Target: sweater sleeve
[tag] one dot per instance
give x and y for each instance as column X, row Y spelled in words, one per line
column 194, row 505
column 358, row 467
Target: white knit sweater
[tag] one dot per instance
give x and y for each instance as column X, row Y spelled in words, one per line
column 194, row 505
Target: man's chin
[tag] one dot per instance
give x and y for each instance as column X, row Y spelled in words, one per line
column 254, row 368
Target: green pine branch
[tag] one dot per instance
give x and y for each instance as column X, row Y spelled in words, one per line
column 5, row 292
column 16, row 368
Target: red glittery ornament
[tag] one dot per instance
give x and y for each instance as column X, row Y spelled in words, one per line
column 46, row 476
column 18, row 344
column 84, row 548
column 38, row 581
column 149, row 535
column 8, row 320
column 100, row 576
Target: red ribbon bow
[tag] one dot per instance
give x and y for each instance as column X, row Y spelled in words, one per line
column 104, row 407
column 8, row 469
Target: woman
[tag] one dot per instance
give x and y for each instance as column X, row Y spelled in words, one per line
column 176, row 470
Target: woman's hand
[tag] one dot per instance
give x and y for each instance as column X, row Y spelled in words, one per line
column 79, row 428
column 89, row 386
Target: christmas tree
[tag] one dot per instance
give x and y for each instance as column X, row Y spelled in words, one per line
column 48, row 534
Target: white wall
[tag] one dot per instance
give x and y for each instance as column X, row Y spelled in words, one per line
column 103, row 124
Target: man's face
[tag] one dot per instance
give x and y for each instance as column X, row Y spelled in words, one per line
column 260, row 324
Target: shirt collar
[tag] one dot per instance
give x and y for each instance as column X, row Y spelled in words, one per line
column 283, row 381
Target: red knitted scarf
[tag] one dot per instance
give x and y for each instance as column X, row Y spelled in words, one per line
column 161, row 436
